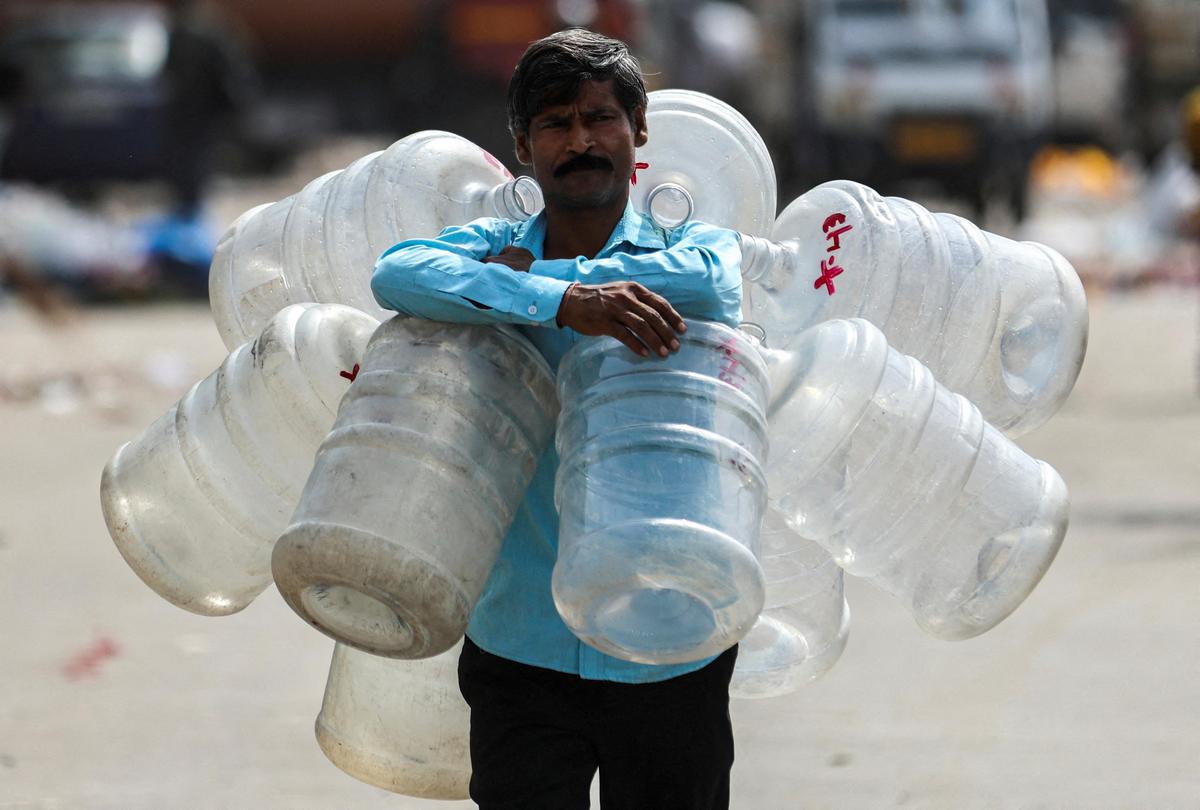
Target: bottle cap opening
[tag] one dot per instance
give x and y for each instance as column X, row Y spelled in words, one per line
column 669, row 205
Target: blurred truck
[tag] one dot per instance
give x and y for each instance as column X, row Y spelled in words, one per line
column 954, row 91
column 1166, row 65
column 1095, row 50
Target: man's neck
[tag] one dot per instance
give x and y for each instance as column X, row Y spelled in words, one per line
column 579, row 232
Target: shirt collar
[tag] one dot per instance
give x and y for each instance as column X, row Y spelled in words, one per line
column 632, row 228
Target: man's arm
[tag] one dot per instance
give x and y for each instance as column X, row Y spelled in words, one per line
column 447, row 279
column 467, row 276
column 699, row 272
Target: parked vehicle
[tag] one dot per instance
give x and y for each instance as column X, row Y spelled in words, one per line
column 958, row 91
column 90, row 97
column 1093, row 43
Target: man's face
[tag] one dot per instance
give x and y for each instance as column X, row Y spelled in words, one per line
column 582, row 152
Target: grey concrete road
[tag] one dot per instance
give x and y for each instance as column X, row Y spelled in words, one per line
column 1088, row 696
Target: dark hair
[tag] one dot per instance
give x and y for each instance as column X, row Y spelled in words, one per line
column 552, row 69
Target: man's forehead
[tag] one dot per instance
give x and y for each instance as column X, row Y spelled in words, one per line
column 592, row 94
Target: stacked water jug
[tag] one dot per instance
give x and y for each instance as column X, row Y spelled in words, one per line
column 197, row 503
column 660, row 492
column 1002, row 322
column 706, row 499
column 321, row 243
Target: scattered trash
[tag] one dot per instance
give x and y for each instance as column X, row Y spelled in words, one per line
column 48, row 242
column 168, row 370
column 110, row 392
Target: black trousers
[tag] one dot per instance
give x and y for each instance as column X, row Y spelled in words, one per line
column 538, row 737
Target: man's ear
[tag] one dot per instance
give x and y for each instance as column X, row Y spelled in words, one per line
column 521, row 147
column 640, row 133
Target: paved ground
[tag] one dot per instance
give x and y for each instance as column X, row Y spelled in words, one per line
column 1087, row 697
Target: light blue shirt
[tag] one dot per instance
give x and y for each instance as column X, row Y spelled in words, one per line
column 696, row 267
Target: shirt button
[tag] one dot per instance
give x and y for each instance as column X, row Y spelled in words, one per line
column 532, row 310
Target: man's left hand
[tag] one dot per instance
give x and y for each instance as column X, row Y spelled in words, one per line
column 512, row 257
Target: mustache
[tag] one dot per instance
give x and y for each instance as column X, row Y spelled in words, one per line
column 582, row 163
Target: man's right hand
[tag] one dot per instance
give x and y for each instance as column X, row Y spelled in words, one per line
column 642, row 320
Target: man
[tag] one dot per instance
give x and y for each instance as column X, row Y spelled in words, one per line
column 208, row 81
column 546, row 710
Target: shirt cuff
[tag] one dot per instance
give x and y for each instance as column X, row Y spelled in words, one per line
column 537, row 303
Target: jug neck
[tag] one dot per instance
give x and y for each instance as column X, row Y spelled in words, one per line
column 519, row 199
column 764, row 262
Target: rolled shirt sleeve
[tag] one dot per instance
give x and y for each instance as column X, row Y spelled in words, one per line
column 698, row 271
column 444, row 279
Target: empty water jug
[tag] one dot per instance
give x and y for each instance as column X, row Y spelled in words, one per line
column 195, row 503
column 660, row 492
column 416, row 485
column 805, row 621
column 703, row 161
column 1003, row 323
column 399, row 725
column 321, row 243
column 904, row 483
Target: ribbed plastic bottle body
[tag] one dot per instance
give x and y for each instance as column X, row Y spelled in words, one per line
column 432, row 179
column 660, row 494
column 244, row 271
column 904, row 483
column 195, row 503
column 399, row 725
column 349, row 259
column 805, row 621
column 414, row 488
column 1004, row 323
column 704, row 161
column 321, row 244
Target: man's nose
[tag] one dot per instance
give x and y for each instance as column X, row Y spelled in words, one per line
column 579, row 137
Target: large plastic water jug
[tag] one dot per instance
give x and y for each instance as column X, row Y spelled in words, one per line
column 1003, row 323
column 904, row 483
column 805, row 621
column 703, row 161
column 412, row 491
column 660, row 493
column 195, row 503
column 399, row 725
column 321, row 243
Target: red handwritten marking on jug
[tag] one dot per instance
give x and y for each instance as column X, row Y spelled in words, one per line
column 829, row 266
column 351, row 374
column 835, row 238
column 87, row 663
column 829, row 271
column 833, row 220
column 730, row 365
column 636, row 168
column 490, row 158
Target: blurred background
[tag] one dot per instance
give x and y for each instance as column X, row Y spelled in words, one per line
column 148, row 126
column 132, row 134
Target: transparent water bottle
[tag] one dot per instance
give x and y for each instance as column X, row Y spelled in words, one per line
column 660, row 493
column 805, row 621
column 1003, row 323
column 904, row 483
column 321, row 243
column 703, row 161
column 399, row 725
column 195, row 503
column 413, row 490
